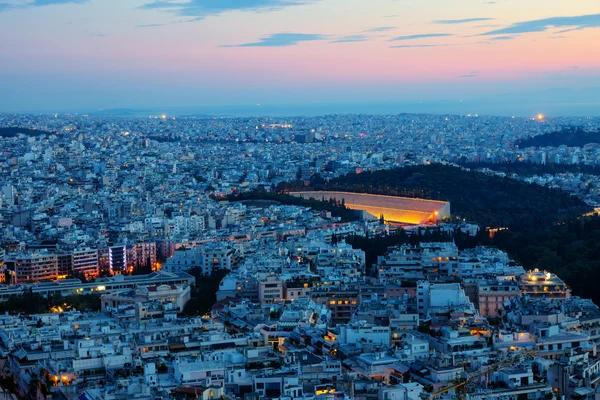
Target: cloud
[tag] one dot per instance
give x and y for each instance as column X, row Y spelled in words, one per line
column 469, row 75
column 461, row 21
column 41, row 3
column 421, row 36
column 415, row 46
column 381, row 29
column 541, row 25
column 281, row 40
column 507, row 37
column 568, row 30
column 351, row 39
column 203, row 8
column 38, row 3
column 149, row 25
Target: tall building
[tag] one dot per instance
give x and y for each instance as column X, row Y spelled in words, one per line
column 141, row 256
column 85, row 261
column 3, row 274
column 33, row 267
column 341, row 302
column 117, row 259
column 9, row 193
column 65, row 265
column 492, row 294
column 271, row 290
column 544, row 284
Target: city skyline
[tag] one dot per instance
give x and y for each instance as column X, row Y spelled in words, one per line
column 299, row 199
column 84, row 56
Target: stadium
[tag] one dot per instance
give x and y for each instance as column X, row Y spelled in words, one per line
column 402, row 210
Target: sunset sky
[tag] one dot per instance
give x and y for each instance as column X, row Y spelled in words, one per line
column 77, row 55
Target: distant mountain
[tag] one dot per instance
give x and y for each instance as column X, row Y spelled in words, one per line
column 572, row 137
column 139, row 112
column 120, row 112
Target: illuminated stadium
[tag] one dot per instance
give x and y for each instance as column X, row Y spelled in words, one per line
column 394, row 209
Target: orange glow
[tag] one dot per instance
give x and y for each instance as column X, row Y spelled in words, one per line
column 540, row 117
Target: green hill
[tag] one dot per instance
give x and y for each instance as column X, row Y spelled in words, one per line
column 488, row 200
column 572, row 137
column 546, row 226
column 526, row 168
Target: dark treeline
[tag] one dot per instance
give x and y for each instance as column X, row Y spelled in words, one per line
column 570, row 136
column 337, row 208
column 15, row 131
column 35, row 303
column 203, row 292
column 489, row 200
column 526, row 168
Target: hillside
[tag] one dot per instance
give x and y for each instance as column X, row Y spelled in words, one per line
column 547, row 230
column 572, row 137
column 488, row 200
column 530, row 169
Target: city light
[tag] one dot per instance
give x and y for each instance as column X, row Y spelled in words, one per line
column 360, row 234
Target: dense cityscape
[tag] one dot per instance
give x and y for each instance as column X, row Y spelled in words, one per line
column 299, row 199
column 130, row 270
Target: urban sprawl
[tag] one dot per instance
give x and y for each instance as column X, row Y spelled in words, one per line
column 132, row 212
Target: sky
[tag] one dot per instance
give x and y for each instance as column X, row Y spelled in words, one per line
column 488, row 56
